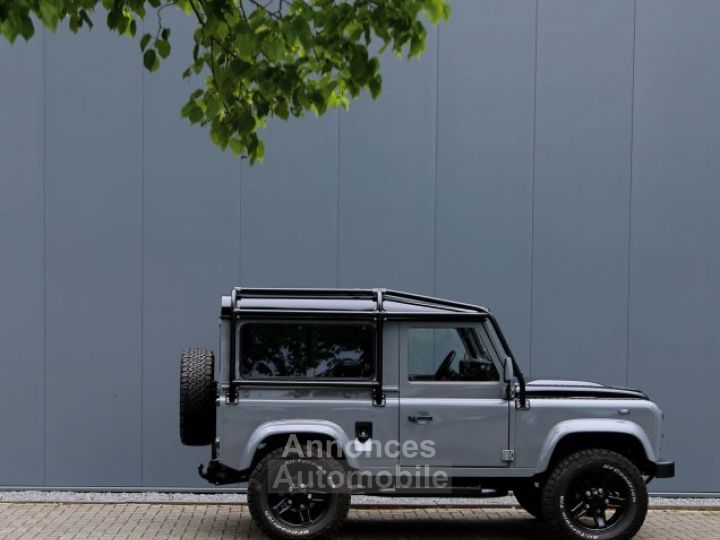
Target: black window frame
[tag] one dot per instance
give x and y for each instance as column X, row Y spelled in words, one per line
column 370, row 322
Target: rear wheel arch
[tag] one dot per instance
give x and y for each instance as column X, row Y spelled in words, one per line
column 304, row 439
column 275, row 434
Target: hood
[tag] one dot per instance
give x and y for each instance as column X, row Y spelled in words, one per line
column 579, row 389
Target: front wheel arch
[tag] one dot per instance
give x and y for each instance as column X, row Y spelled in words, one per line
column 624, row 444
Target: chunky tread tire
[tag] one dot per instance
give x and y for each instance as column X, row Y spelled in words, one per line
column 197, row 397
column 575, row 463
column 529, row 497
column 258, row 489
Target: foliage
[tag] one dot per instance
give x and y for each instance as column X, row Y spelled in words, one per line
column 259, row 58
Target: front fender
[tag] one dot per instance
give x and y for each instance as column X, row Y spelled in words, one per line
column 593, row 426
column 288, row 427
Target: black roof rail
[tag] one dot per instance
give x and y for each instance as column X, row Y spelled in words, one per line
column 433, row 301
column 253, row 292
column 378, row 296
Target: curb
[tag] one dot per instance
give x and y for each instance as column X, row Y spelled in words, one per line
column 358, row 506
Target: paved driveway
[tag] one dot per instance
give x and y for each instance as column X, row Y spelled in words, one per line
column 21, row 521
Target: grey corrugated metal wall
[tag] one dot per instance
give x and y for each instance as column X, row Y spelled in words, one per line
column 555, row 160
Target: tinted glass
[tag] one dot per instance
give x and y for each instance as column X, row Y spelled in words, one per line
column 307, row 350
column 448, row 354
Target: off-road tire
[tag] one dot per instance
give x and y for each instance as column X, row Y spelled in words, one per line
column 257, row 496
column 197, row 397
column 529, row 497
column 570, row 469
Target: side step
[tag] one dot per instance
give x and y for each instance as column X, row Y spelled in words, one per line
column 456, row 492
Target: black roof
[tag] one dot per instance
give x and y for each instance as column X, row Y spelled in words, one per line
column 345, row 301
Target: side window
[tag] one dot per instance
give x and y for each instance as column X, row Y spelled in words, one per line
column 307, row 350
column 449, row 354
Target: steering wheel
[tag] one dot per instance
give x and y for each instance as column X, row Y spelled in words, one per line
column 443, row 371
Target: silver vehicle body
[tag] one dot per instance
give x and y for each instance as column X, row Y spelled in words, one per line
column 503, row 430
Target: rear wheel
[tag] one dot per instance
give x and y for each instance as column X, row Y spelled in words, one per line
column 595, row 494
column 298, row 496
column 197, row 397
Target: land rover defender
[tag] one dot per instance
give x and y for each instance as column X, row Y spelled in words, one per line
column 319, row 394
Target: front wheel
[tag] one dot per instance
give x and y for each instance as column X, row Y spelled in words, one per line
column 595, row 495
column 291, row 496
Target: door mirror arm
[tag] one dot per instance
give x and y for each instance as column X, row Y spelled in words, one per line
column 522, row 404
column 508, row 370
column 509, row 377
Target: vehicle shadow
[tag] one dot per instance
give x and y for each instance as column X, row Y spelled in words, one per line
column 444, row 525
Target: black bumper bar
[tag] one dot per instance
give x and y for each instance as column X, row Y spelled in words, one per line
column 663, row 469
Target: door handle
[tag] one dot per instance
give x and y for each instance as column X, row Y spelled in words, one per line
column 420, row 419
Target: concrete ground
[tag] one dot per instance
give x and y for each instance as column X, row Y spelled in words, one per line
column 132, row 521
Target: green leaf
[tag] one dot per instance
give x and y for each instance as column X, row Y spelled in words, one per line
column 375, row 86
column 163, row 47
column 237, row 146
column 192, row 111
column 132, row 28
column 150, row 60
column 113, row 18
column 239, row 67
column 246, row 123
column 359, row 65
column 435, row 10
column 144, row 41
column 213, row 104
column 245, row 45
column 196, row 115
column 9, row 29
column 49, row 15
column 27, row 29
column 417, row 45
column 184, row 5
column 259, row 152
column 222, row 30
column 74, row 24
column 274, row 48
column 84, row 16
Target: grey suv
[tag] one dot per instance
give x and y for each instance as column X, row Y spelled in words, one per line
column 318, row 394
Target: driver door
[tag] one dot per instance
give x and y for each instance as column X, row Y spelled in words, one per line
column 452, row 395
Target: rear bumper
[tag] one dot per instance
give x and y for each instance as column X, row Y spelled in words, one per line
column 219, row 474
column 663, row 469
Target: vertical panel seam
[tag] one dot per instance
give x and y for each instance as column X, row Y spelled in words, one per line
column 337, row 203
column 142, row 275
column 435, row 187
column 532, row 187
column 630, row 196
column 240, row 226
column 44, row 250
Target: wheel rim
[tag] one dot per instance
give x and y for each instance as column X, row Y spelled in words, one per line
column 597, row 500
column 299, row 507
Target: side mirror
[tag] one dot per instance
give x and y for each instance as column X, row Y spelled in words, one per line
column 508, row 371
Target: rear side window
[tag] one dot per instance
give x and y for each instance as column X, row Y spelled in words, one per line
column 307, row 350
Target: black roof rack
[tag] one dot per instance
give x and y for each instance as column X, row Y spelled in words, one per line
column 346, row 300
